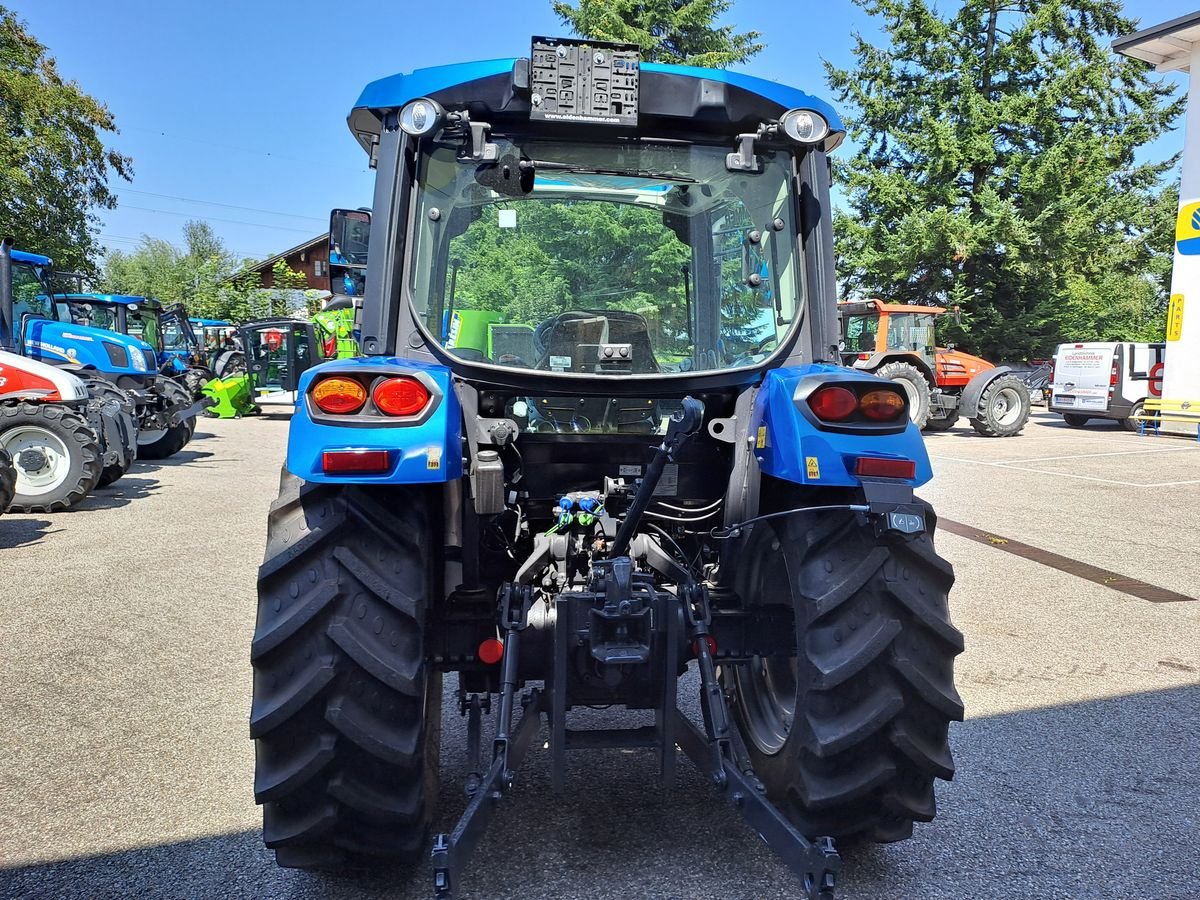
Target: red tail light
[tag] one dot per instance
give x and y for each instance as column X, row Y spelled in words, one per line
column 881, row 467
column 402, row 395
column 360, row 462
column 833, row 403
column 339, row 395
column 490, row 651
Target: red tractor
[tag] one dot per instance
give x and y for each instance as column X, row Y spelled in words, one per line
column 895, row 341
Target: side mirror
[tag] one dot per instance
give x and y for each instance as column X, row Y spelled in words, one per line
column 349, row 237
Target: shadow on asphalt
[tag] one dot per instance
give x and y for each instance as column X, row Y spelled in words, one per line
column 1082, row 800
column 121, row 492
column 182, row 458
column 22, row 532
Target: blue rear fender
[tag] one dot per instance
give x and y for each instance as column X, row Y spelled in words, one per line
column 424, row 453
column 790, row 446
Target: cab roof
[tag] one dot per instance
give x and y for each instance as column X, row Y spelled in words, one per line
column 33, row 259
column 122, row 299
column 711, row 99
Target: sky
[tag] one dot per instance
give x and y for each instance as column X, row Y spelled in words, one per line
column 234, row 111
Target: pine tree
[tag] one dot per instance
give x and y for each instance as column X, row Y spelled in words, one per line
column 668, row 31
column 999, row 170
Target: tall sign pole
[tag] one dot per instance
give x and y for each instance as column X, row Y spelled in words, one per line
column 1175, row 47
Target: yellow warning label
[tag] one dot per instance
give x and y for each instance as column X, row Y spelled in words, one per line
column 812, row 468
column 762, row 437
column 1175, row 318
column 433, row 458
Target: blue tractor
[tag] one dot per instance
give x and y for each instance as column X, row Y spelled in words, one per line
column 86, row 432
column 165, row 407
column 637, row 455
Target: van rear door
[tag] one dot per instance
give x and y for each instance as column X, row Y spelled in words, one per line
column 1081, row 378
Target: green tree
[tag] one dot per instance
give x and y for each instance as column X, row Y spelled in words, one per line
column 668, row 31
column 999, row 170
column 198, row 275
column 54, row 166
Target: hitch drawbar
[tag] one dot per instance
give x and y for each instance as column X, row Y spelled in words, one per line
column 716, row 750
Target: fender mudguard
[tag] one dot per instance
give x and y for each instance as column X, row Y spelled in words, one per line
column 426, row 451
column 792, row 445
column 968, row 403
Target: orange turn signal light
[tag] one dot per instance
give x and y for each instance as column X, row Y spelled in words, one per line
column 882, row 406
column 338, row 395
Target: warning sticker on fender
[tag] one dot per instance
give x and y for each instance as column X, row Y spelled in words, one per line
column 433, row 458
column 812, row 468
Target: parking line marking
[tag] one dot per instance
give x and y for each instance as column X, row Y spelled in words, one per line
column 1001, row 465
column 1033, row 459
column 1088, row 572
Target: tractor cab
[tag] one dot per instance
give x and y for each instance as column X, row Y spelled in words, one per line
column 871, row 326
column 277, row 353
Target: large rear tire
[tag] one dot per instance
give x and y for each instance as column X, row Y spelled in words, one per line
column 57, row 455
column 113, row 416
column 849, row 735
column 346, row 713
column 1004, row 407
column 916, row 388
column 8, row 480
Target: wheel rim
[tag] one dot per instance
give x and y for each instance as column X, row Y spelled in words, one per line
column 42, row 460
column 914, row 399
column 1006, row 406
column 767, row 686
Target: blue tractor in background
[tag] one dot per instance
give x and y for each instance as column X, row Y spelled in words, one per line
column 165, row 406
column 641, row 457
column 91, row 416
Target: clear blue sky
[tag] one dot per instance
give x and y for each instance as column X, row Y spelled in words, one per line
column 234, row 110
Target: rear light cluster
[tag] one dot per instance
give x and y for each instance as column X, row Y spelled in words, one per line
column 401, row 396
column 838, row 403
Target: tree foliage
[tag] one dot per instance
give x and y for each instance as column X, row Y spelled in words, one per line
column 668, row 31
column 999, row 170
column 200, row 275
column 54, row 166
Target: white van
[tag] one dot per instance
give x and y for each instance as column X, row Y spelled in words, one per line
column 1109, row 380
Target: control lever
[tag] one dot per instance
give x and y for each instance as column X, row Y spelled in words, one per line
column 684, row 422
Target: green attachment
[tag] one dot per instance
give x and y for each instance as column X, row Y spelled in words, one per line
column 232, row 395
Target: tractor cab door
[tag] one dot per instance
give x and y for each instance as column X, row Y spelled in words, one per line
column 911, row 333
column 277, row 352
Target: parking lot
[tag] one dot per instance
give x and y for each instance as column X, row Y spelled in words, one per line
column 126, row 767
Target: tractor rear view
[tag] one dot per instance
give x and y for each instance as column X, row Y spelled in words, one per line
column 896, row 341
column 634, row 451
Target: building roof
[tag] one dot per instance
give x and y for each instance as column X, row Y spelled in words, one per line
column 320, row 240
column 1168, row 47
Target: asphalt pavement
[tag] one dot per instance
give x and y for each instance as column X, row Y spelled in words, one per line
column 126, row 767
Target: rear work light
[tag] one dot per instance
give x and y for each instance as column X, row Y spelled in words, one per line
column 833, row 404
column 402, row 395
column 339, row 395
column 882, row 406
column 882, row 467
column 360, row 462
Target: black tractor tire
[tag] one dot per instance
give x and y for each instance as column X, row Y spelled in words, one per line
column 229, row 363
column 194, row 380
column 120, row 431
column 1075, row 420
column 1130, row 423
column 943, row 422
column 8, row 480
column 176, row 437
column 1004, row 407
column 916, row 388
column 871, row 690
column 346, row 714
column 66, row 428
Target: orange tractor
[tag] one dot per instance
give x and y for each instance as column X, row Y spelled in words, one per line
column 895, row 341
